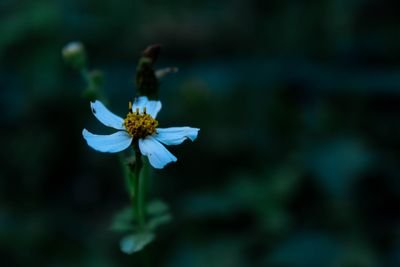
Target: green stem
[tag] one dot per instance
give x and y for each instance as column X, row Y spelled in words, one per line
column 130, row 180
column 86, row 76
column 139, row 190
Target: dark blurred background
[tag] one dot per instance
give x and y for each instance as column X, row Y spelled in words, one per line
column 297, row 161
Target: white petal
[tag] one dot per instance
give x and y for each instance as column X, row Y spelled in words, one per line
column 139, row 103
column 175, row 135
column 152, row 106
column 106, row 117
column 158, row 155
column 112, row 143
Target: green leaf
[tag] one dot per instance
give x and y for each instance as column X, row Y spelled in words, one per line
column 136, row 242
column 157, row 207
column 123, row 220
column 159, row 220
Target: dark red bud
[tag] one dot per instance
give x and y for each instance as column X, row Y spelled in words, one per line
column 152, row 52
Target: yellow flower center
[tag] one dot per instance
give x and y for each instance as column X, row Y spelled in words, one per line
column 139, row 125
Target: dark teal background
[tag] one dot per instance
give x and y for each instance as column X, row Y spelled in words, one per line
column 296, row 163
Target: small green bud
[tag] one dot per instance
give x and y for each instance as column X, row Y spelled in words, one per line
column 74, row 54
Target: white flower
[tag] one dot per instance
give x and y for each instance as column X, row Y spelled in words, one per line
column 138, row 129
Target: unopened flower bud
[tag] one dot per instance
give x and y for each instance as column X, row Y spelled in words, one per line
column 75, row 55
column 146, row 80
column 152, row 52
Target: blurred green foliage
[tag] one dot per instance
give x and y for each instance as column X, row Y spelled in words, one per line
column 297, row 159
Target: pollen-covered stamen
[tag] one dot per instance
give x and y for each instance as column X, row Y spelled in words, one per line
column 139, row 125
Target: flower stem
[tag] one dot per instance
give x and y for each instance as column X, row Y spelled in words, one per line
column 139, row 190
